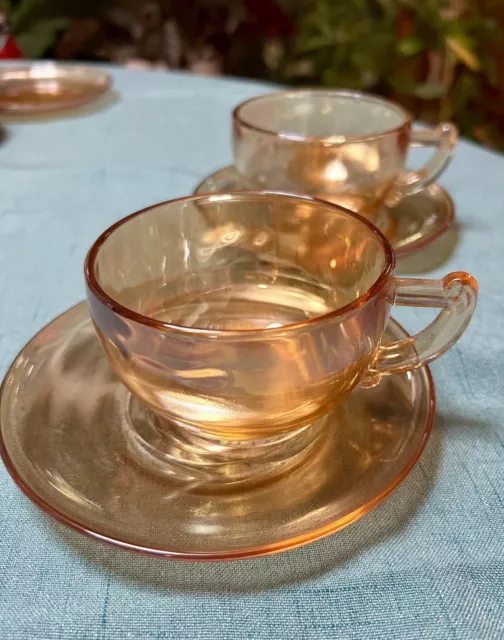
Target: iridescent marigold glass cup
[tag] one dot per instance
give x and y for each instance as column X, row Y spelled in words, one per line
column 343, row 146
column 239, row 321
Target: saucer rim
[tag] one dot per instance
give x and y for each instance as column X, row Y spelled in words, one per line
column 102, row 82
column 400, row 252
column 261, row 550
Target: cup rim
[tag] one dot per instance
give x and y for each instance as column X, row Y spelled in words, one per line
column 327, row 141
column 121, row 310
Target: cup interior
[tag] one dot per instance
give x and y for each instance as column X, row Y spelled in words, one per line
column 242, row 261
column 321, row 114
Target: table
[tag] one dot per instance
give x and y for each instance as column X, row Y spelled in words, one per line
column 428, row 563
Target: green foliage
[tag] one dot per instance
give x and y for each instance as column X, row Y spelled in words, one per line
column 413, row 51
column 341, row 41
column 37, row 23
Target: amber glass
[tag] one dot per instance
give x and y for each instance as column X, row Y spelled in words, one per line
column 63, row 416
column 249, row 316
column 411, row 226
column 237, row 321
column 46, row 87
column 346, row 147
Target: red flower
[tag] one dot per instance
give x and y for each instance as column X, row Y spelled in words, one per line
column 9, row 49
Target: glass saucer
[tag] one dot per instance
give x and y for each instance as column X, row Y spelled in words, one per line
column 63, row 413
column 46, row 87
column 414, row 223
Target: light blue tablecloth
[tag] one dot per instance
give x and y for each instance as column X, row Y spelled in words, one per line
column 428, row 563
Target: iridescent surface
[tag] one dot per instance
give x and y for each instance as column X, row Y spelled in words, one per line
column 346, row 147
column 242, row 319
column 241, row 315
column 47, row 87
column 416, row 222
column 65, row 419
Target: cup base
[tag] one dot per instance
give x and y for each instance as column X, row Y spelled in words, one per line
column 169, row 449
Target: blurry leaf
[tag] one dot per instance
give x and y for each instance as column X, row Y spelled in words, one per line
column 430, row 91
column 460, row 47
column 30, row 12
column 37, row 23
column 300, row 69
column 40, row 36
column 315, row 43
column 410, row 46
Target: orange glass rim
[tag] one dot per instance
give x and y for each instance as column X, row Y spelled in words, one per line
column 118, row 308
column 326, row 141
column 263, row 550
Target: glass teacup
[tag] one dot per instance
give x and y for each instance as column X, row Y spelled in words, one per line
column 346, row 147
column 242, row 319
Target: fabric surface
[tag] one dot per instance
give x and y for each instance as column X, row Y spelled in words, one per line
column 428, row 563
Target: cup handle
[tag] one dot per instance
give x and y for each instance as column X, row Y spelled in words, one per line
column 444, row 138
column 455, row 295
